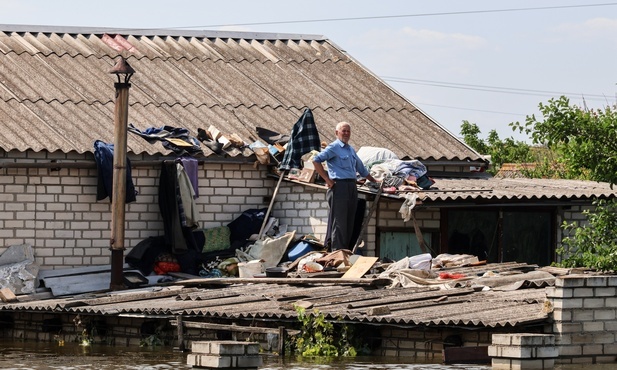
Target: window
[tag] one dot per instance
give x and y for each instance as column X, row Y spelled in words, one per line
column 473, row 232
column 501, row 236
column 527, row 237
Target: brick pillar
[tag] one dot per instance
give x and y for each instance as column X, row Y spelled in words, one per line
column 523, row 351
column 225, row 355
column 584, row 313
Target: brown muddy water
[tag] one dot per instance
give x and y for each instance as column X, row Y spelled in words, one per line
column 71, row 356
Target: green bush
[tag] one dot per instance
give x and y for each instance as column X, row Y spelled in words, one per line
column 594, row 244
column 321, row 338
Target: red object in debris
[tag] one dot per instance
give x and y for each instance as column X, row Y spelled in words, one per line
column 162, row 267
column 389, row 190
column 447, row 275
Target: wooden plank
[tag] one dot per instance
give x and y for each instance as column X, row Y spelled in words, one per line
column 368, row 218
column 232, row 327
column 276, row 190
column 7, row 295
column 130, row 296
column 360, row 267
column 38, row 296
column 285, row 281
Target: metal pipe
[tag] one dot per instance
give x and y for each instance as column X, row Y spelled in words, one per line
column 118, row 197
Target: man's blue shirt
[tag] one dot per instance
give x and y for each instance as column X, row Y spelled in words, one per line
column 343, row 162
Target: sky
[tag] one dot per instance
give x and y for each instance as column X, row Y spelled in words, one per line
column 487, row 62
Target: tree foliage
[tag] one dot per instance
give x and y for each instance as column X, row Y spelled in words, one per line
column 569, row 142
column 593, row 245
column 585, row 139
column 321, row 338
column 500, row 151
column 585, row 144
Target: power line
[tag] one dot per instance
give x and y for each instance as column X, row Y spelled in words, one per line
column 464, row 12
column 470, row 109
column 497, row 89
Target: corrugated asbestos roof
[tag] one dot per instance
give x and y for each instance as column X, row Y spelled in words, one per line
column 491, row 190
column 408, row 307
column 56, row 93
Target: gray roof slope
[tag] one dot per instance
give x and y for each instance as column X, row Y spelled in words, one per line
column 514, row 189
column 56, row 93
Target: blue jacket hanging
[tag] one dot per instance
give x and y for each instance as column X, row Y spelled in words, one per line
column 104, row 157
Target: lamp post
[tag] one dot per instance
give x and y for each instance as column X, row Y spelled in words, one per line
column 118, row 200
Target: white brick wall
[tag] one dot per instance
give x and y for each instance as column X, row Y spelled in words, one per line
column 57, row 213
column 570, row 215
column 584, row 314
column 305, row 209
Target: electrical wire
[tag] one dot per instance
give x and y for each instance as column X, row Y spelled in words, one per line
column 463, row 12
column 469, row 109
column 496, row 89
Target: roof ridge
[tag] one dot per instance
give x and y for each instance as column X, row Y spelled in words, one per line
column 157, row 32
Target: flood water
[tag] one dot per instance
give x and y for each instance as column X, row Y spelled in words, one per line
column 71, row 356
column 43, row 356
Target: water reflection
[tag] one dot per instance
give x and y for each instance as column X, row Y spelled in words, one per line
column 71, row 356
column 45, row 356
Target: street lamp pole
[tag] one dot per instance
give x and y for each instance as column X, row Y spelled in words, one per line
column 118, row 201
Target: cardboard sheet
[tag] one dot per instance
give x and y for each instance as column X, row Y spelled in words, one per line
column 360, row 267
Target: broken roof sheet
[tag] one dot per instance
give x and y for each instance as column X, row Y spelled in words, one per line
column 56, row 93
column 461, row 305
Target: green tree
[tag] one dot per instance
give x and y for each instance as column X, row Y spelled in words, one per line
column 500, row 151
column 585, row 139
column 585, row 144
column 595, row 244
column 471, row 135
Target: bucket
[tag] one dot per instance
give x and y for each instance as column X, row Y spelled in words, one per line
column 299, row 250
column 276, row 272
column 250, row 269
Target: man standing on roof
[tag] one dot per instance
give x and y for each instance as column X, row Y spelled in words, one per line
column 342, row 196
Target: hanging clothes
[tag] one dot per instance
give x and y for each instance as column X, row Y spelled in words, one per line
column 190, row 216
column 191, row 167
column 170, row 212
column 104, row 158
column 181, row 240
column 304, row 138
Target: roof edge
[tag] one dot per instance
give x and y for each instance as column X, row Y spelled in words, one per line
column 159, row 32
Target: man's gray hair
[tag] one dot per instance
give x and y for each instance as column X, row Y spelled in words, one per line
column 341, row 124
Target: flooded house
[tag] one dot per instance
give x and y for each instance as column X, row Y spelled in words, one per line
column 225, row 104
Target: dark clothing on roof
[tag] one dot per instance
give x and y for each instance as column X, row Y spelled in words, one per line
column 168, row 205
column 104, row 157
column 271, row 137
column 304, row 138
column 175, row 139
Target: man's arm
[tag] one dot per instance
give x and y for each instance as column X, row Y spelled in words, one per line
column 323, row 173
column 371, row 178
column 360, row 167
